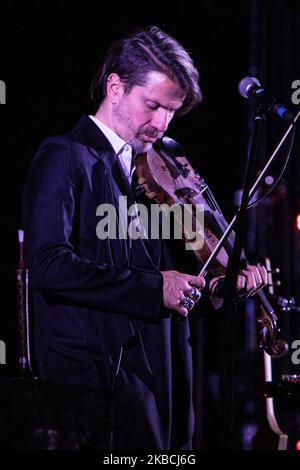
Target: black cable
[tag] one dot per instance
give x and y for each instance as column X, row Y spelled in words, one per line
column 260, row 199
column 111, row 408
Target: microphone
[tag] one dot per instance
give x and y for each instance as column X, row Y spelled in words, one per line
column 250, row 87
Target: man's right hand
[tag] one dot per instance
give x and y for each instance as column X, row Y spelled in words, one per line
column 177, row 286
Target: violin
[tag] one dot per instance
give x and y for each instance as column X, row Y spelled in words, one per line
column 166, row 177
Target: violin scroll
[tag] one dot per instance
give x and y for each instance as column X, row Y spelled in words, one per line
column 267, row 320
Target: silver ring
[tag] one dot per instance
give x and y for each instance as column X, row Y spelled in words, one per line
column 195, row 294
column 187, row 303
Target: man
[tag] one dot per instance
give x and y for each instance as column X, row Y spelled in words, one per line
column 103, row 307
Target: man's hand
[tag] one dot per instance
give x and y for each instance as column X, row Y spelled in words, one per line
column 250, row 280
column 177, row 286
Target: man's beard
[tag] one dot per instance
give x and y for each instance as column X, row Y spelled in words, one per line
column 133, row 138
column 139, row 147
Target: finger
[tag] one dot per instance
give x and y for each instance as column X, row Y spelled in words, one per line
column 263, row 273
column 187, row 288
column 198, row 281
column 264, row 278
column 181, row 310
column 256, row 273
column 241, row 286
column 241, row 282
column 250, row 280
column 260, row 274
column 181, row 286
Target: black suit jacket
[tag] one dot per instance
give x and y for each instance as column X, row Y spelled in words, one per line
column 94, row 298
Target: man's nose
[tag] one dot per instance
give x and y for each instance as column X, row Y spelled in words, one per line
column 161, row 119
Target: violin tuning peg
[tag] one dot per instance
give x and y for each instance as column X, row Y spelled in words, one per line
column 273, row 271
column 275, row 284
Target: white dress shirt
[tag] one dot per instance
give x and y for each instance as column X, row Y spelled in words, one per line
column 121, row 148
column 124, row 152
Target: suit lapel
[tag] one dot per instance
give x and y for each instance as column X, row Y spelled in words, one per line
column 139, row 253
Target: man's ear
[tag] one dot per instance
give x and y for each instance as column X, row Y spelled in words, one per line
column 114, row 88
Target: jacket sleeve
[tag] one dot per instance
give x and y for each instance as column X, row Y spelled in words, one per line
column 50, row 197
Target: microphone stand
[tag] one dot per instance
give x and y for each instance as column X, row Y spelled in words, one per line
column 228, row 320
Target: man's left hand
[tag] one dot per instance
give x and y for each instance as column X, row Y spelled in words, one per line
column 250, row 280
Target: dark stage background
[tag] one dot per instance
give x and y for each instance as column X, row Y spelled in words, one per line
column 49, row 53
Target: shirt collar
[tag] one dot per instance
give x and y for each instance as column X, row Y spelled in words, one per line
column 116, row 142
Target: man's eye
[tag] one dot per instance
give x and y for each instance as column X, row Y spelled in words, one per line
column 152, row 106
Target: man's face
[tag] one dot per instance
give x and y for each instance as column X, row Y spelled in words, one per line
column 143, row 115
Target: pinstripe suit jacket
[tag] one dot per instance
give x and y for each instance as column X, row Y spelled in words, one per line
column 94, row 298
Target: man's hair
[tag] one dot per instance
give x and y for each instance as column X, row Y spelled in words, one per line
column 146, row 50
